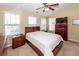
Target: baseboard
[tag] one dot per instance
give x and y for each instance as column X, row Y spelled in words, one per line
column 9, row 45
column 73, row 41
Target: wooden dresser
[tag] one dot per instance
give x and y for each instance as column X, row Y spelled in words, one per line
column 18, row 41
column 62, row 30
column 61, row 27
column 2, row 44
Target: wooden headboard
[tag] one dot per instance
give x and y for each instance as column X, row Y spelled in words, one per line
column 32, row 29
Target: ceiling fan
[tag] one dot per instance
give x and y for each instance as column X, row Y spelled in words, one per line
column 47, row 7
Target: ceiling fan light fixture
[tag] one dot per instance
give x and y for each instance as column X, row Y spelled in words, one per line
column 46, row 9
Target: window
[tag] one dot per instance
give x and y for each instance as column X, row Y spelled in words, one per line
column 43, row 23
column 12, row 24
column 52, row 22
column 32, row 20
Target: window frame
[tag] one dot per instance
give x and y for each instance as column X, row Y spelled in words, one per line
column 31, row 23
column 52, row 25
column 10, row 24
column 43, row 24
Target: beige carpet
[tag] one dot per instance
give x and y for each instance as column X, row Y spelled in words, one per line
column 68, row 49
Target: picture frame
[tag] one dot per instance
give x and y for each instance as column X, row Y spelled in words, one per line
column 75, row 22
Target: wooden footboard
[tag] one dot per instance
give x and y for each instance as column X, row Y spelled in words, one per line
column 57, row 48
column 39, row 53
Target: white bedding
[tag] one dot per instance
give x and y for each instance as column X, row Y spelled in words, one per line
column 44, row 41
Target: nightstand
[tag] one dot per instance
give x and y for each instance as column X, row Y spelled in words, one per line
column 18, row 41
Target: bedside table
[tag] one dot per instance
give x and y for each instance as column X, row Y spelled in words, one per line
column 18, row 41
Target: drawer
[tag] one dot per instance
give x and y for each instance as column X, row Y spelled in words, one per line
column 18, row 41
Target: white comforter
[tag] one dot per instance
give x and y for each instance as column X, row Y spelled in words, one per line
column 44, row 41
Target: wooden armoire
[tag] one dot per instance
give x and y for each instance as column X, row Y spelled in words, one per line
column 61, row 27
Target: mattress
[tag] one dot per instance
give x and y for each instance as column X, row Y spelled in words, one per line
column 44, row 41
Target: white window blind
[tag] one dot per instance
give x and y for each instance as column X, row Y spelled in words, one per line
column 12, row 24
column 52, row 22
column 32, row 20
column 43, row 23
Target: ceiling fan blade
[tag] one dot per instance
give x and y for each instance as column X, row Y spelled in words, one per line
column 51, row 8
column 39, row 8
column 54, row 4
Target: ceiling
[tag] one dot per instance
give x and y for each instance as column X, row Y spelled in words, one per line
column 31, row 7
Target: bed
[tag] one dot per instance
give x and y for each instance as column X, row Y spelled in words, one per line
column 43, row 43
